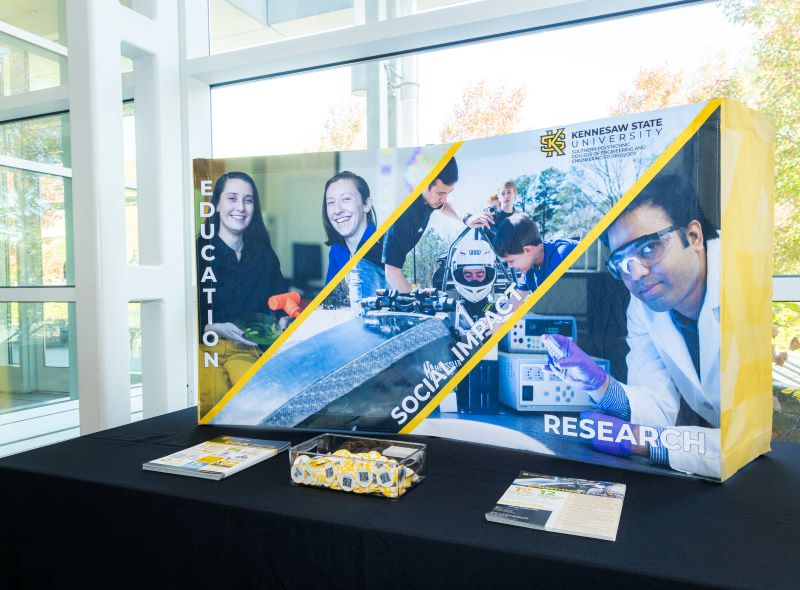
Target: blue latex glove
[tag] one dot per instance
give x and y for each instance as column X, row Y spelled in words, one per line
column 574, row 365
column 622, row 448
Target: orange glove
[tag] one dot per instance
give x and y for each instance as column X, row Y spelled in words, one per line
column 287, row 302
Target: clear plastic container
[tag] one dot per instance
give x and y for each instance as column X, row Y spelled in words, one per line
column 370, row 466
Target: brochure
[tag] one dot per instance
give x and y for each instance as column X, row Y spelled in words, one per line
column 219, row 457
column 562, row 505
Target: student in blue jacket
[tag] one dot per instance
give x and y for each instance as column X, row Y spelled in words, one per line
column 520, row 245
column 349, row 220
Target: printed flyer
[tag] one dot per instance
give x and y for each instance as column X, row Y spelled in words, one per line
column 597, row 291
column 561, row 505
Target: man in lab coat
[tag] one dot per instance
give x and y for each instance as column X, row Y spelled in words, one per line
column 668, row 256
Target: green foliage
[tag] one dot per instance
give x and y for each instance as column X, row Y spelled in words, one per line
column 777, row 53
column 576, row 215
column 786, row 319
column 548, row 198
column 486, row 108
column 425, row 258
column 339, row 297
column 795, row 393
column 562, row 205
column 31, row 204
column 43, row 139
column 768, row 83
column 526, row 200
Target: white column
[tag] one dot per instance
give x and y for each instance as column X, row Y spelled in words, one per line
column 98, row 213
column 101, row 31
column 196, row 136
column 369, row 12
column 162, row 242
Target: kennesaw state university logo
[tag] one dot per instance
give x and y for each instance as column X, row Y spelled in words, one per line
column 553, row 142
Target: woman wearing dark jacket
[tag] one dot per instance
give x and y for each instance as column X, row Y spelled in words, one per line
column 241, row 267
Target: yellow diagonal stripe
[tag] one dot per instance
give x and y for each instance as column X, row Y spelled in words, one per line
column 573, row 256
column 406, row 203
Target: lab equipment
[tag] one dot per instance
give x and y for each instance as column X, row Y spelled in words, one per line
column 525, row 384
column 526, row 334
column 574, row 365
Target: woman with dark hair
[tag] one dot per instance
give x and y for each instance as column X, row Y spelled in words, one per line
column 349, row 220
column 236, row 277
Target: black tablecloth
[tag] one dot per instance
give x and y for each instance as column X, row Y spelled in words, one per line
column 83, row 514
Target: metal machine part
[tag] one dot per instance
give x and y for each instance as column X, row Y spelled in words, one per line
column 349, row 377
column 422, row 301
column 477, row 393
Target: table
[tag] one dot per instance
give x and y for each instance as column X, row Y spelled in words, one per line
column 83, row 514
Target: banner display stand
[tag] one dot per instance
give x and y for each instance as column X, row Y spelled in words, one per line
column 598, row 291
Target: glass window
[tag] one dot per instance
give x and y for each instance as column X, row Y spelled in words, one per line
column 427, row 5
column 579, row 73
column 135, row 362
column 131, row 226
column 743, row 51
column 131, row 192
column 45, row 18
column 786, row 371
column 304, row 113
column 25, row 67
column 55, row 334
column 433, row 97
column 135, row 339
column 40, row 139
column 33, row 229
column 37, row 350
column 235, row 24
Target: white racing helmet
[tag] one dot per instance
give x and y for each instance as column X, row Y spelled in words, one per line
column 472, row 268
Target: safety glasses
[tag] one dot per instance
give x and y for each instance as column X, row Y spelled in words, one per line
column 644, row 251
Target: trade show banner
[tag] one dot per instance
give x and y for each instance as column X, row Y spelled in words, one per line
column 598, row 291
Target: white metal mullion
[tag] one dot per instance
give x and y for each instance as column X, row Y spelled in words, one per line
column 196, row 143
column 35, row 40
column 48, row 101
column 407, row 34
column 35, row 103
column 38, row 167
column 37, row 294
